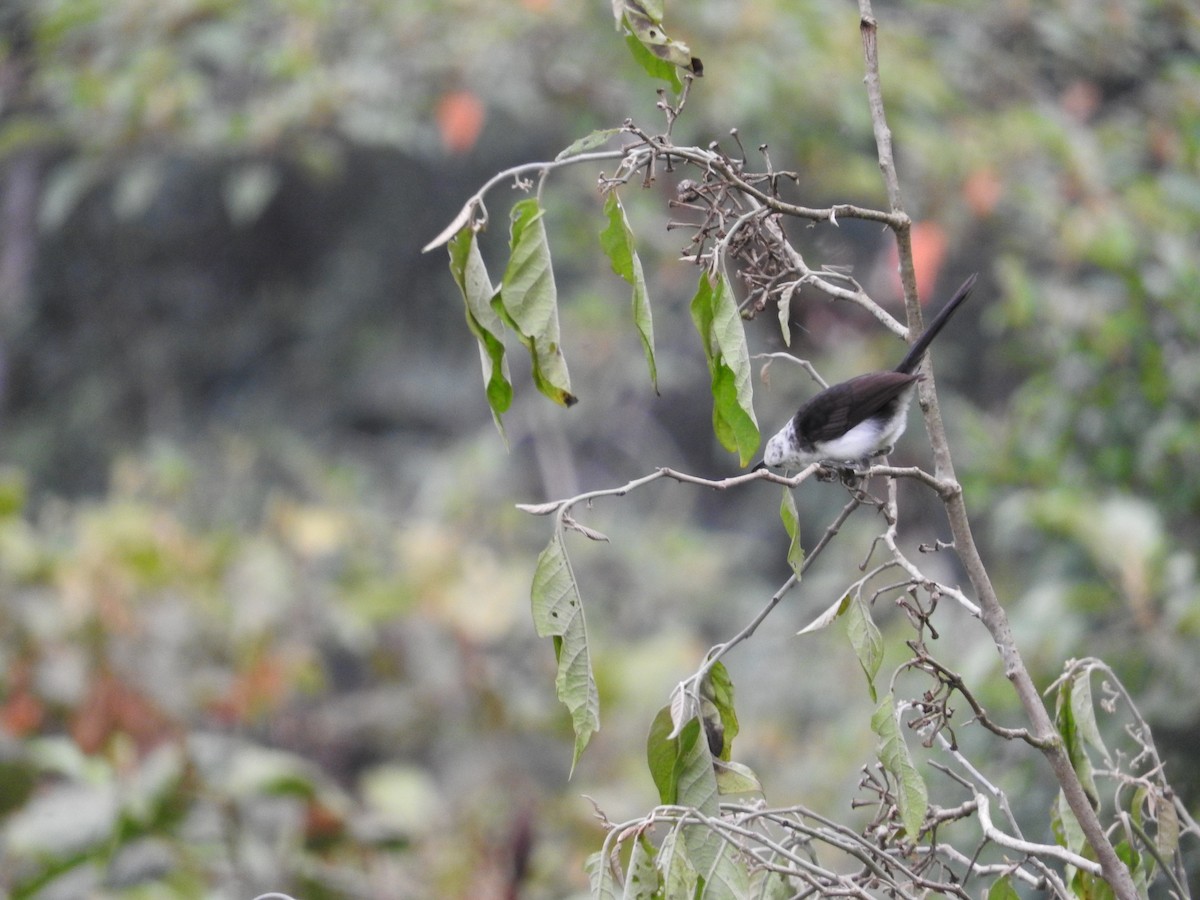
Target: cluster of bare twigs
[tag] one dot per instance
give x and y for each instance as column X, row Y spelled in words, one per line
column 960, row 849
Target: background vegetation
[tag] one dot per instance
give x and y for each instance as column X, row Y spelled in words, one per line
column 264, row 621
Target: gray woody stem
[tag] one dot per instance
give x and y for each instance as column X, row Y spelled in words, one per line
column 994, row 619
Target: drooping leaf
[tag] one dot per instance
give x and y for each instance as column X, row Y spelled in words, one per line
column 912, row 797
column 827, row 618
column 662, row 751
column 528, row 301
column 466, row 264
column 1073, row 737
column 715, row 315
column 641, row 875
column 587, row 142
column 791, row 524
column 558, row 613
column 1084, row 711
column 617, row 241
column 600, row 876
column 717, row 688
column 865, row 639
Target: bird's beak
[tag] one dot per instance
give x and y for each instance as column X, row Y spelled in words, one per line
column 761, row 465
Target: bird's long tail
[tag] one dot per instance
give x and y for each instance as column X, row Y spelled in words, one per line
column 912, row 359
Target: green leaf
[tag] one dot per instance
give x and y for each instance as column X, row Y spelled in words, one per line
column 1073, row 735
column 681, row 766
column 470, row 274
column 659, row 54
column 528, row 301
column 617, row 241
column 724, row 877
column 661, row 753
column 696, row 785
column 791, row 524
column 727, row 877
column 735, row 778
column 588, row 142
column 911, row 795
column 1084, row 712
column 641, row 878
column 653, row 65
column 1002, row 889
column 865, row 639
column 1065, row 826
column 715, row 315
column 558, row 613
column 717, row 688
column 600, row 876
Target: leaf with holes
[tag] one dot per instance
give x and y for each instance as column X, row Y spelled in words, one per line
column 558, row 614
column 600, row 876
column 641, row 877
column 678, row 876
column 655, row 51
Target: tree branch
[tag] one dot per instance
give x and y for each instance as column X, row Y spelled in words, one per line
column 993, row 616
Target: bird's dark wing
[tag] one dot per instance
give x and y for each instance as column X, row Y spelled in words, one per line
column 836, row 410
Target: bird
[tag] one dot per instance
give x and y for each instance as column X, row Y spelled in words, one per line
column 851, row 423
